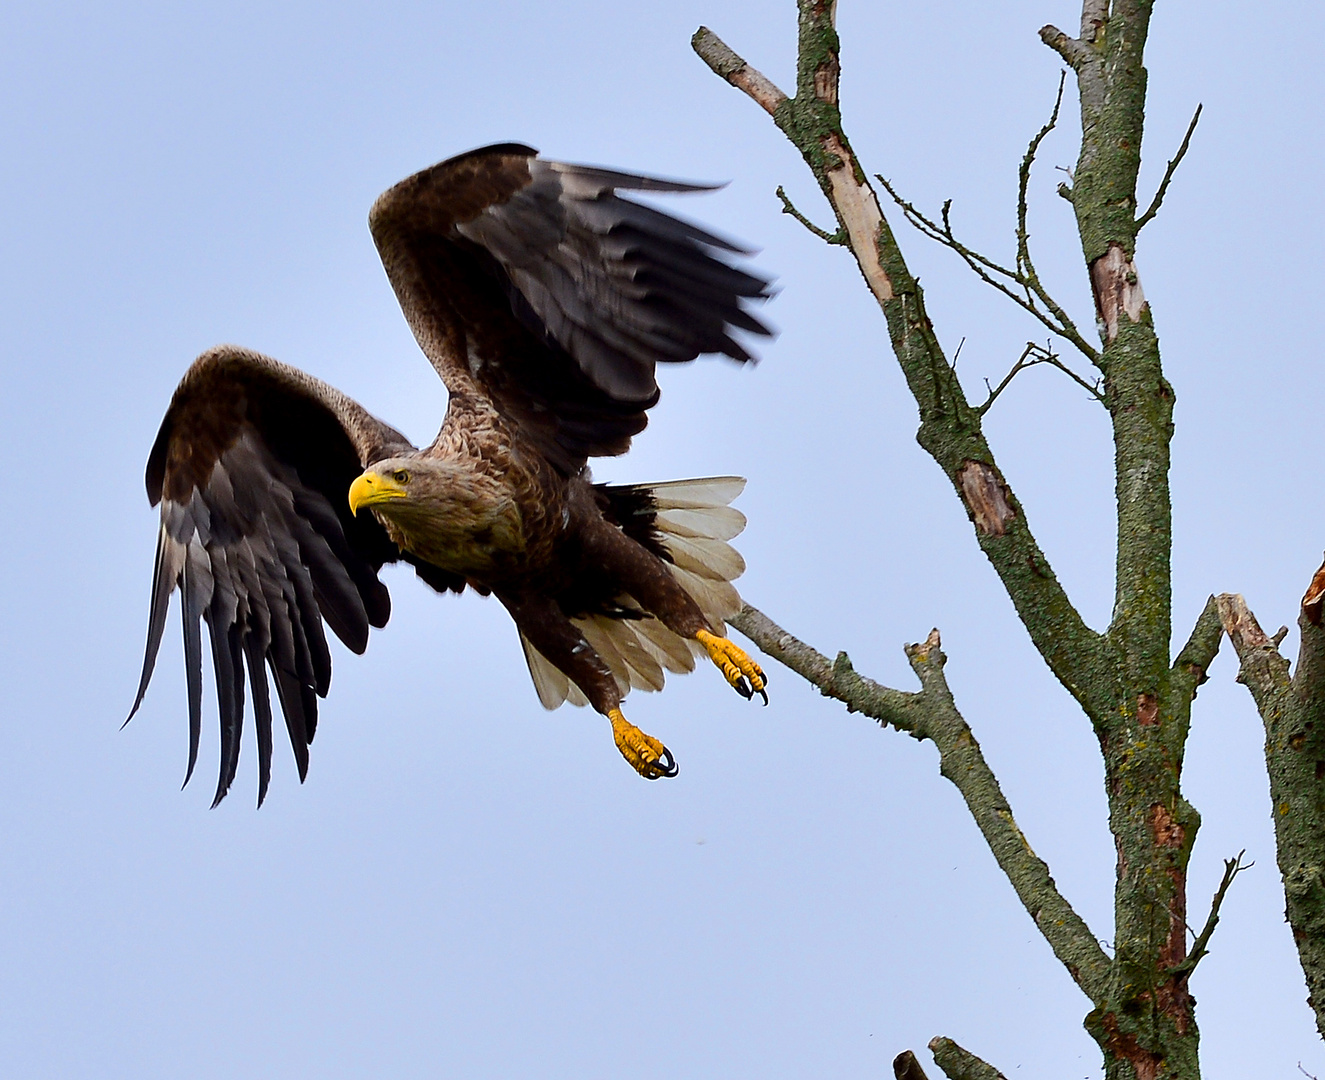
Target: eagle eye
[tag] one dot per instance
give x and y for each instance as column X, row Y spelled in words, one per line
column 400, row 476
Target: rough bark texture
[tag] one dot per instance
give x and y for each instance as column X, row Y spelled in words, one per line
column 959, row 1064
column 1293, row 712
column 1138, row 701
column 931, row 714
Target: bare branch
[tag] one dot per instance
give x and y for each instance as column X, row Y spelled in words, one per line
column 1037, row 354
column 1168, row 173
column 1199, row 653
column 1232, row 868
column 1074, row 52
column 714, row 52
column 839, row 237
column 857, row 693
column 1025, row 266
column 931, row 714
column 1055, row 318
column 959, row 1064
column 949, row 427
column 1023, row 182
column 1022, row 363
column 1293, row 714
column 1093, row 389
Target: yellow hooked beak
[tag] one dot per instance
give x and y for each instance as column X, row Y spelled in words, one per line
column 370, row 488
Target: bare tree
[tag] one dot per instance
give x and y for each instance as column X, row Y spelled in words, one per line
column 1137, row 697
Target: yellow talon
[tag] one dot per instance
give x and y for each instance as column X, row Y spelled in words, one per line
column 647, row 755
column 745, row 676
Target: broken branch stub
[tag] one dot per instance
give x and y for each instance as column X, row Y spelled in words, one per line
column 1312, row 601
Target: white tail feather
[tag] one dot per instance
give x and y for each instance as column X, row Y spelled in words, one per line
column 694, row 521
column 702, row 494
column 702, row 555
column 669, row 648
column 551, row 682
column 719, row 522
column 622, row 651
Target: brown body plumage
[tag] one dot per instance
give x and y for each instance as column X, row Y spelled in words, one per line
column 543, row 300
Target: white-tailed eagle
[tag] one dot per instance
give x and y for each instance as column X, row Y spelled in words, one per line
column 544, row 300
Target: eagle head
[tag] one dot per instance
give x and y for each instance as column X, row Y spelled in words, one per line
column 385, row 482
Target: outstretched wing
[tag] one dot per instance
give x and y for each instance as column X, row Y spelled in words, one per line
column 533, row 283
column 251, row 467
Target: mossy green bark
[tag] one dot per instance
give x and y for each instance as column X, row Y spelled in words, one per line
column 1292, row 709
column 1138, row 701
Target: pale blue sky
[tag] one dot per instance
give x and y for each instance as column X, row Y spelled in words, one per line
column 467, row 886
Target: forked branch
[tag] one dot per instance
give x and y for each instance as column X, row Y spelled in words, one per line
column 1032, row 296
column 1232, row 868
column 950, row 425
column 931, row 714
column 789, row 208
column 995, row 274
column 1293, row 713
column 1030, row 356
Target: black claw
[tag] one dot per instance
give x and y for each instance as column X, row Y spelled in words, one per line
column 743, row 688
column 666, row 765
column 764, row 695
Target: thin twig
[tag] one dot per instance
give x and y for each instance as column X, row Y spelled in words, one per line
column 1142, row 221
column 1022, row 362
column 1232, row 868
column 1023, row 181
column 839, row 237
column 1024, row 264
column 985, row 268
column 1038, row 354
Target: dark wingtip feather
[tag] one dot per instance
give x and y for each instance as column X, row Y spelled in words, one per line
column 257, row 677
column 165, row 575
column 192, row 669
column 229, row 670
column 289, row 691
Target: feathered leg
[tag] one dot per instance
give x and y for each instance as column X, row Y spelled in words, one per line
column 649, row 580
column 548, row 630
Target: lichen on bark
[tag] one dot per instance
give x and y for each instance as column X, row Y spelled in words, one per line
column 1136, row 696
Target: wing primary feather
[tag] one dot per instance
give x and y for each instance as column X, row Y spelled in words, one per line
column 257, row 677
column 289, row 691
column 309, row 696
column 607, row 212
column 228, row 664
column 597, row 180
column 165, row 576
column 192, row 608
column 250, row 468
